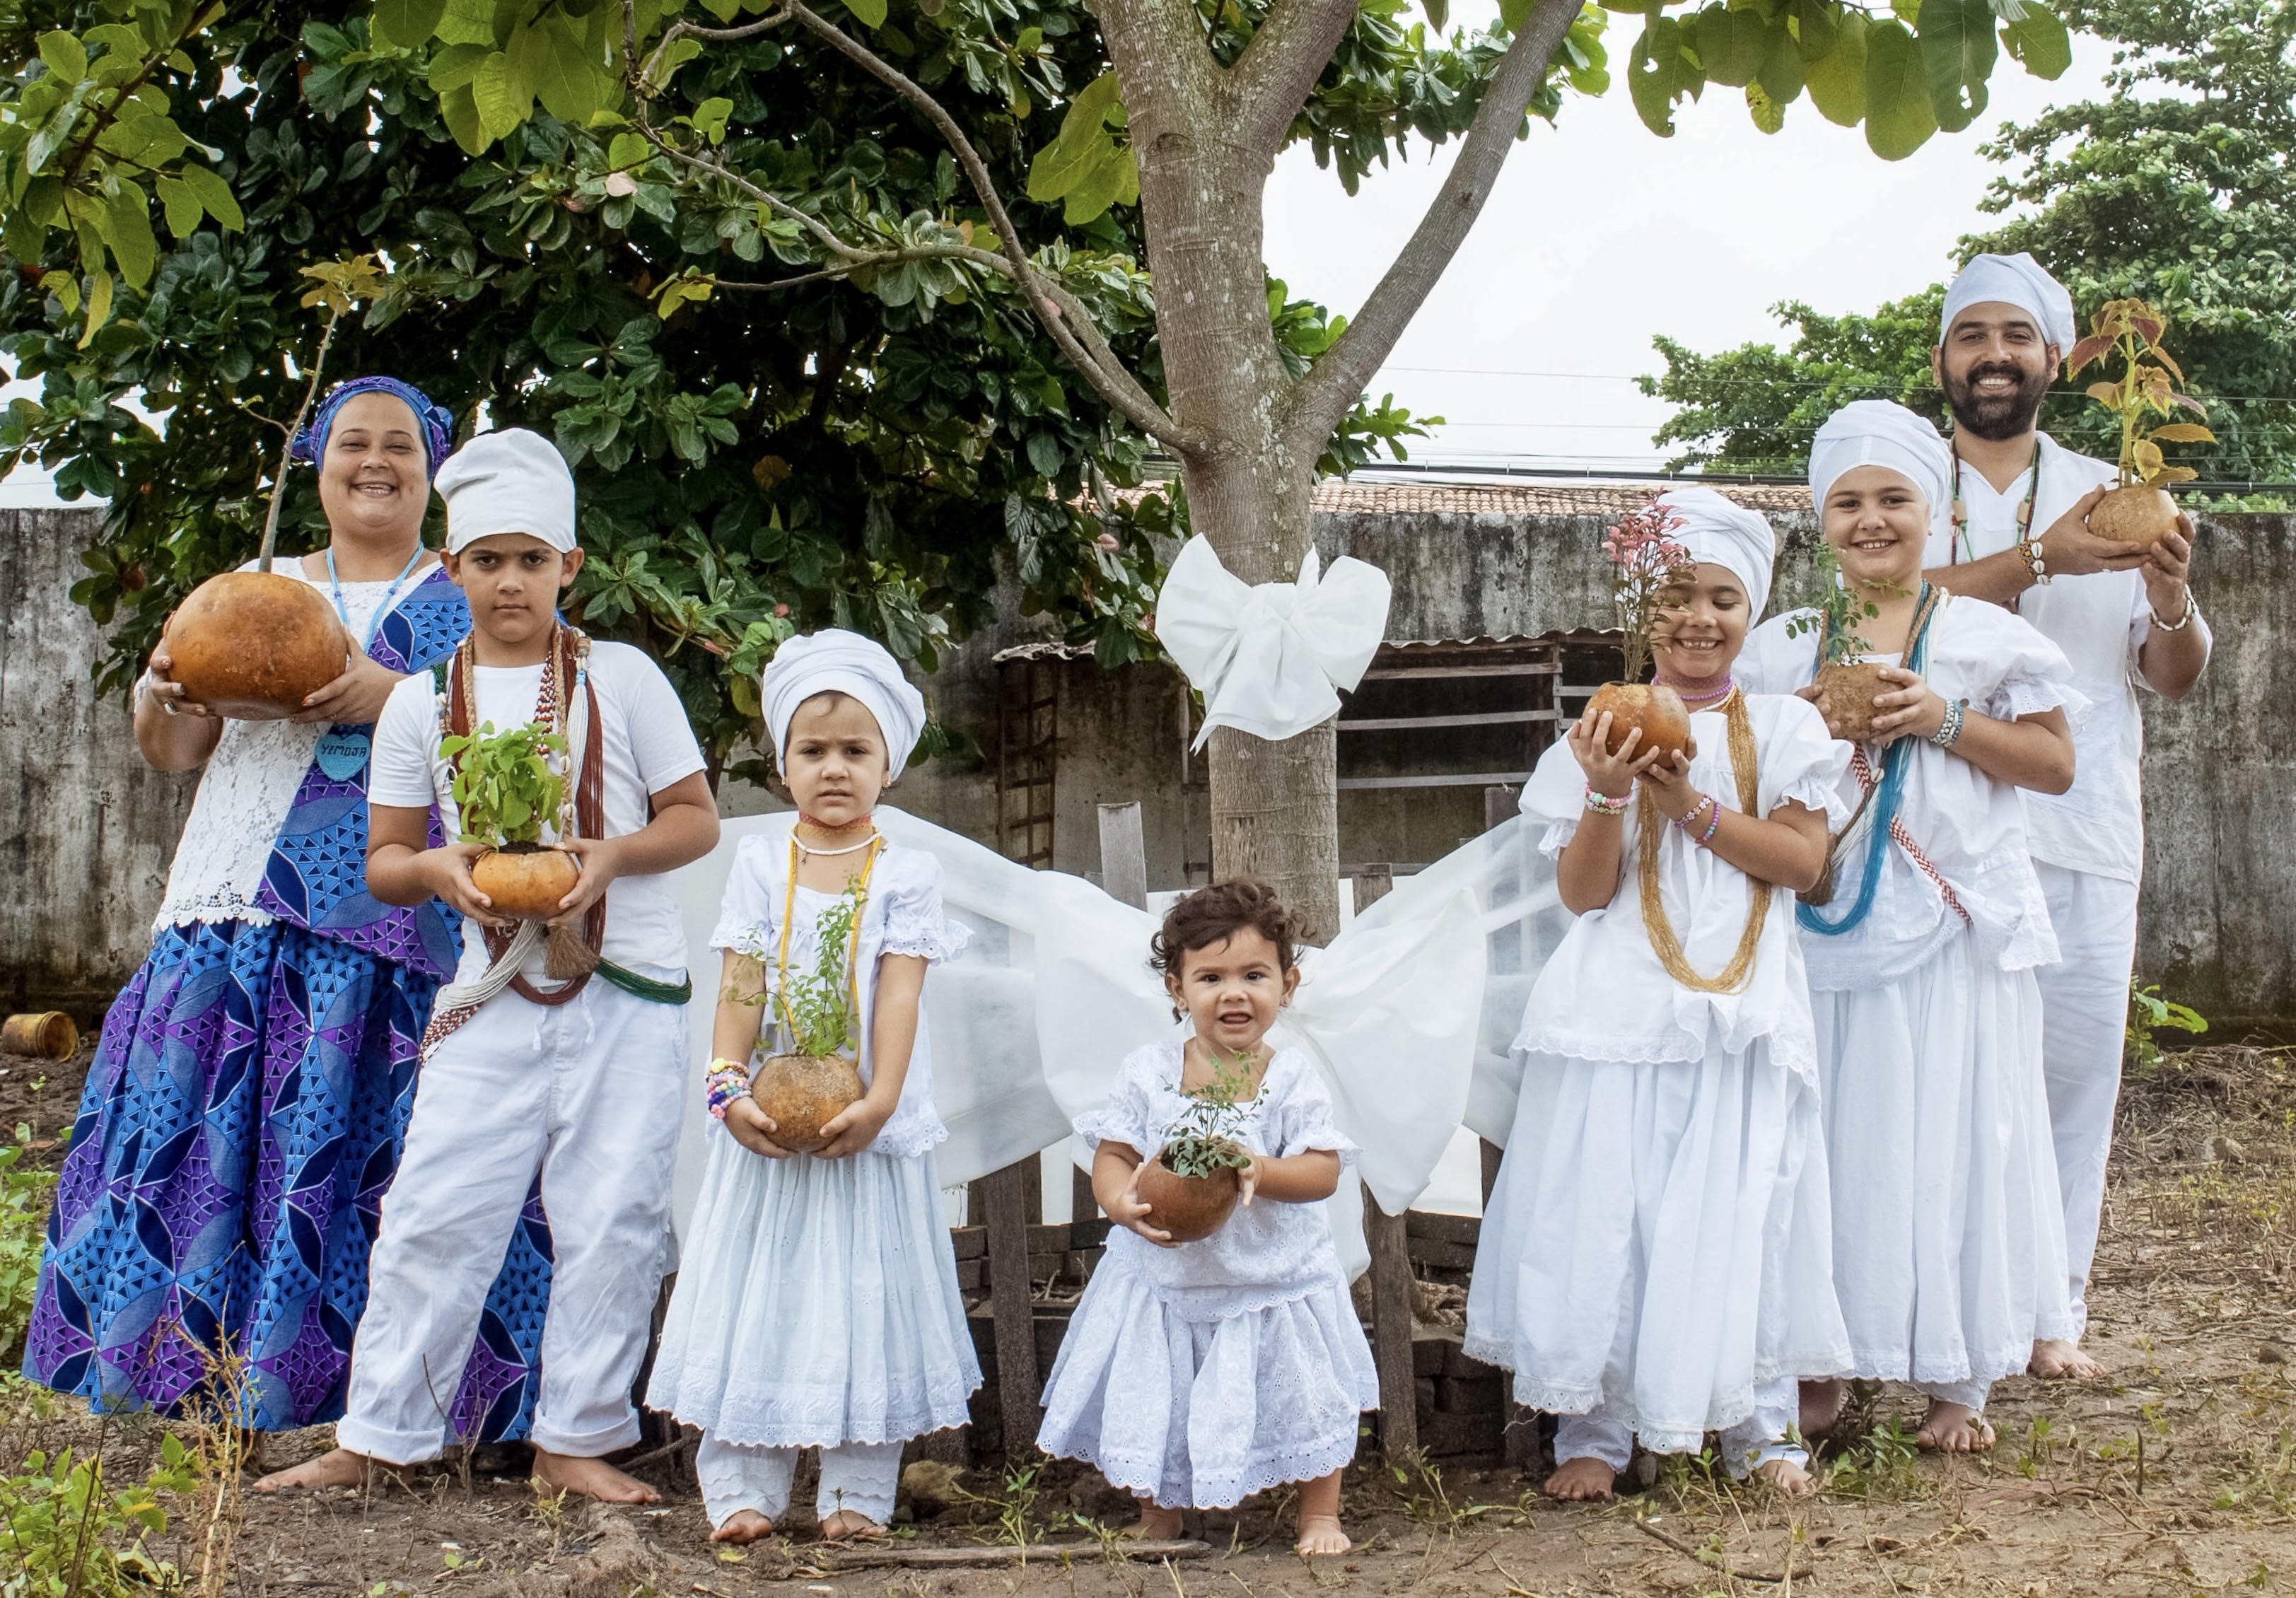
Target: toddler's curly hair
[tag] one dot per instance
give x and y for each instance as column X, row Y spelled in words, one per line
column 1214, row 914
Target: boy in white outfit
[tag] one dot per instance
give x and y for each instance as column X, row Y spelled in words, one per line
column 582, row 1081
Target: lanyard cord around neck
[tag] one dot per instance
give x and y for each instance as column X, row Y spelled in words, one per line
column 375, row 622
column 1961, row 507
column 859, row 889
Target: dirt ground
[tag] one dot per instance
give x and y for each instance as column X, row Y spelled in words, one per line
column 2175, row 1475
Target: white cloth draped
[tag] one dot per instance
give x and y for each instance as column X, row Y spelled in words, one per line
column 1268, row 657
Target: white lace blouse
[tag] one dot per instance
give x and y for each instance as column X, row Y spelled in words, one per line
column 245, row 793
column 902, row 916
column 1603, row 995
column 1969, row 826
column 1268, row 1253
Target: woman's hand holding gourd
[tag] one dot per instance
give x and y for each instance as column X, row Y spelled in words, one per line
column 753, row 1128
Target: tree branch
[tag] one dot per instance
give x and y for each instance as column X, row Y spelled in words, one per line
column 1322, row 397
column 1272, row 79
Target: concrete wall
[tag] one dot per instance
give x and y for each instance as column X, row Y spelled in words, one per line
column 87, row 829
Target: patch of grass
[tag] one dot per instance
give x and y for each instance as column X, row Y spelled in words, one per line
column 67, row 1528
column 1881, row 1466
column 25, row 1192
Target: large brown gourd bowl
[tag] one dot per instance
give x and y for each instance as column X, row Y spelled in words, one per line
column 1658, row 713
column 254, row 644
column 1187, row 1209
column 525, row 880
column 1845, row 697
column 2134, row 514
column 802, row 1093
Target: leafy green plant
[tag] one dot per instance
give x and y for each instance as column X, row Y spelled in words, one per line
column 2149, row 1012
column 1837, row 613
column 25, row 1193
column 1203, row 1138
column 2148, row 386
column 818, row 1005
column 504, row 788
column 64, row 1529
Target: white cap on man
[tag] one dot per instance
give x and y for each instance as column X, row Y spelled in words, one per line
column 2017, row 280
column 512, row 481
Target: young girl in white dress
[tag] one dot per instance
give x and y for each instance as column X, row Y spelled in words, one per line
column 1655, row 1255
column 817, row 1304
column 1948, row 1234
column 1195, row 1373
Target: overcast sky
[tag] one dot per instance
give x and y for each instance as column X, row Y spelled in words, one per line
column 1601, row 234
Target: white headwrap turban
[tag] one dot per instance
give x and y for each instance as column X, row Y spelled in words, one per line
column 1877, row 432
column 512, row 481
column 1718, row 532
column 2017, row 280
column 836, row 661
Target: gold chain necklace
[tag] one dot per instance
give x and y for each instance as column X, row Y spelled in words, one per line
column 1664, row 943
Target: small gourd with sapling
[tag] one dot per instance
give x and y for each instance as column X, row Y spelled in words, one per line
column 816, row 1079
column 2138, row 509
column 1647, row 568
column 1847, row 684
column 1191, row 1187
column 507, row 790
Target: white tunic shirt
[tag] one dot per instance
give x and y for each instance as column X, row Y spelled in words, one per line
column 1968, row 826
column 1603, row 995
column 2100, row 622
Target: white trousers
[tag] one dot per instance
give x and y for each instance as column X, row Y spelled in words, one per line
column 589, row 1094
column 2084, row 1023
column 860, row 1477
column 1755, row 1440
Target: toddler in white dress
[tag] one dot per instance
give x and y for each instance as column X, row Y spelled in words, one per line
column 1194, row 1374
column 818, row 1302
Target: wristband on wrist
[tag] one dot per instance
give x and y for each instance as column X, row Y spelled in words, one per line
column 1948, row 733
column 1602, row 804
column 727, row 1082
column 2035, row 568
column 2191, row 609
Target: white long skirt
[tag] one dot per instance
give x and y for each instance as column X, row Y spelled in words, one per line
column 1658, row 1244
column 1948, row 1233
column 816, row 1303
column 1200, row 1413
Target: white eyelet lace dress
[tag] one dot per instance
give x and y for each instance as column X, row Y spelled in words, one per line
column 1199, row 1375
column 816, row 1301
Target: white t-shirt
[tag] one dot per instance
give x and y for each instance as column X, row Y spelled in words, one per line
column 648, row 747
column 2100, row 621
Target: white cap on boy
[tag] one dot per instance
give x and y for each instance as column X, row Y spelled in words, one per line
column 1878, row 432
column 2017, row 280
column 512, row 481
column 1720, row 532
column 836, row 661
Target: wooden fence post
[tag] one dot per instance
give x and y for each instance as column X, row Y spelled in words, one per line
column 1390, row 1329
column 1124, row 855
column 1004, row 1200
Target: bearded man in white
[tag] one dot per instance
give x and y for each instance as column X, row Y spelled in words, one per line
column 2124, row 615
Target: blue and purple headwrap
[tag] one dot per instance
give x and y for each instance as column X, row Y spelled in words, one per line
column 435, row 421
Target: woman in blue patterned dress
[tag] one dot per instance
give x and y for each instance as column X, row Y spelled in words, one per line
column 244, row 1113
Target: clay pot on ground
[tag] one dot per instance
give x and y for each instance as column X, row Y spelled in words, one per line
column 1845, row 697
column 1187, row 1209
column 1659, row 713
column 804, row 1093
column 525, row 880
column 2134, row 514
column 255, row 644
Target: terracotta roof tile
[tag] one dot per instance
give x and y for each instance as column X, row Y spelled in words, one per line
column 1334, row 497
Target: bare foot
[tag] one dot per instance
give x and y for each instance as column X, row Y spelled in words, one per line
column 1783, row 1476
column 1576, row 1480
column 590, row 1478
column 743, row 1525
column 1954, row 1428
column 1321, row 1534
column 849, row 1525
column 337, row 1467
column 1155, row 1525
column 2060, row 1359
column 1821, row 1407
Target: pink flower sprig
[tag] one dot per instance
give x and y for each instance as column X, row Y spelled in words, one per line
column 1646, row 564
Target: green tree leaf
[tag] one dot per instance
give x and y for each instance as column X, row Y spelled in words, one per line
column 128, row 230
column 182, row 203
column 406, row 24
column 1656, row 74
column 1837, row 78
column 1731, row 45
column 1958, row 51
column 65, row 58
column 869, row 13
column 2038, row 41
column 503, row 100
column 1769, row 115
column 1899, row 117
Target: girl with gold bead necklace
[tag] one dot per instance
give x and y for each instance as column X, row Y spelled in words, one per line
column 1668, row 1048
column 818, row 1302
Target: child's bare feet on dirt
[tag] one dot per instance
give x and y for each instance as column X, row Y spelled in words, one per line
column 590, row 1478
column 1783, row 1476
column 337, row 1467
column 848, row 1525
column 743, row 1525
column 1954, row 1428
column 1577, row 1480
column 1821, row 1407
column 1155, row 1524
column 1321, row 1534
column 2060, row 1359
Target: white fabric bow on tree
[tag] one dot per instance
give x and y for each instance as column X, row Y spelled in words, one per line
column 1267, row 658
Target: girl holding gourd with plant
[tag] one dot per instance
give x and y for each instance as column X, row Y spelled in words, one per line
column 1922, row 943
column 816, row 1303
column 1669, row 1051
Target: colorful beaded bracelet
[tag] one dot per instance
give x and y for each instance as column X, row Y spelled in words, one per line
column 726, row 1083
column 1602, row 804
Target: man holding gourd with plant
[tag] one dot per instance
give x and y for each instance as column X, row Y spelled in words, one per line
column 2105, row 579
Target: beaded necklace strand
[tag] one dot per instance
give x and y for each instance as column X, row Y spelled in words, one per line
column 1961, row 541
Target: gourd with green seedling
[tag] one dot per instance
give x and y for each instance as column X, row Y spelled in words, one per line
column 1647, row 567
column 816, row 1077
column 506, row 793
column 1191, row 1185
column 2138, row 509
column 1847, row 683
